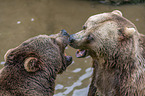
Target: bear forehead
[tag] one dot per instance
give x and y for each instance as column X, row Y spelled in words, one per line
column 36, row 38
column 32, row 44
column 39, row 41
column 100, row 17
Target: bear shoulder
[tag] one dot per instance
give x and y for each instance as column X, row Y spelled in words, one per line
column 142, row 44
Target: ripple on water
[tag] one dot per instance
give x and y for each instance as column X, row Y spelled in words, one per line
column 58, row 86
column 72, row 62
column 81, row 92
column 32, row 19
column 2, row 63
column 69, row 89
column 18, row 22
column 77, row 70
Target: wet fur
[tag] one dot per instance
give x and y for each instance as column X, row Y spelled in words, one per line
column 16, row 81
column 118, row 57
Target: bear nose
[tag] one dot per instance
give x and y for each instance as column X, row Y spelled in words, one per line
column 71, row 39
column 64, row 33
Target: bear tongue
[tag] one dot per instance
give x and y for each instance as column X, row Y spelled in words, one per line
column 81, row 53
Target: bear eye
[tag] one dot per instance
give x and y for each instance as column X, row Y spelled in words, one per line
column 90, row 37
column 84, row 27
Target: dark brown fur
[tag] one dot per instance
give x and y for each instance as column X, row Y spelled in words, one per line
column 15, row 80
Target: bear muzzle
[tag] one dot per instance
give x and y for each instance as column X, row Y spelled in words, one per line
column 71, row 39
column 64, row 33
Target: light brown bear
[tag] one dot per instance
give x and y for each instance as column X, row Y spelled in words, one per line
column 31, row 68
column 118, row 53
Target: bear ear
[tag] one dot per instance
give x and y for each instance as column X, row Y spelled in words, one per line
column 117, row 12
column 7, row 53
column 31, row 64
column 129, row 31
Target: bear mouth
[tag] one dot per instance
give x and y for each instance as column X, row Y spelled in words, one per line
column 81, row 53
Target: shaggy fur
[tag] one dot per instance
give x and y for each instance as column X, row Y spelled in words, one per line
column 31, row 68
column 117, row 50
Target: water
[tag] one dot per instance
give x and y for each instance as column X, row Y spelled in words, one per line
column 22, row 19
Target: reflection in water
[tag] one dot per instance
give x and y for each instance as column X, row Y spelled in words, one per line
column 77, row 70
column 2, row 63
column 58, row 86
column 23, row 19
column 81, row 92
column 75, row 84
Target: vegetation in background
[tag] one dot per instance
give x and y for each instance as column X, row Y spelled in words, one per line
column 119, row 2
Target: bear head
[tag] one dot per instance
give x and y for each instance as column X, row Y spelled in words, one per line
column 39, row 53
column 103, row 33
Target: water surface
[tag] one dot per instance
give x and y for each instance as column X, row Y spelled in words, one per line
column 22, row 19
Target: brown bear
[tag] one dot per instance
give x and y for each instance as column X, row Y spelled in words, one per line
column 118, row 54
column 31, row 68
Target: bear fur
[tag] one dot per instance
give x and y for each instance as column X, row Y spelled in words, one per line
column 31, row 68
column 118, row 53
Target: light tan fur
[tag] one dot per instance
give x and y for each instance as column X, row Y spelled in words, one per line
column 117, row 49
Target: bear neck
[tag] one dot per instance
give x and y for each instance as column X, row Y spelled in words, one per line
column 122, row 56
column 118, row 68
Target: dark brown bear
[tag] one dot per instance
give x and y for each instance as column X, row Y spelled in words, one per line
column 31, row 68
column 118, row 53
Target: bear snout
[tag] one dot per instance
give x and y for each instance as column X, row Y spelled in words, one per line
column 64, row 33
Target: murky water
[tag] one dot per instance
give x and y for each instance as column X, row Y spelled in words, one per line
column 22, row 19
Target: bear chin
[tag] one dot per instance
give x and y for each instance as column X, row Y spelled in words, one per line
column 68, row 59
